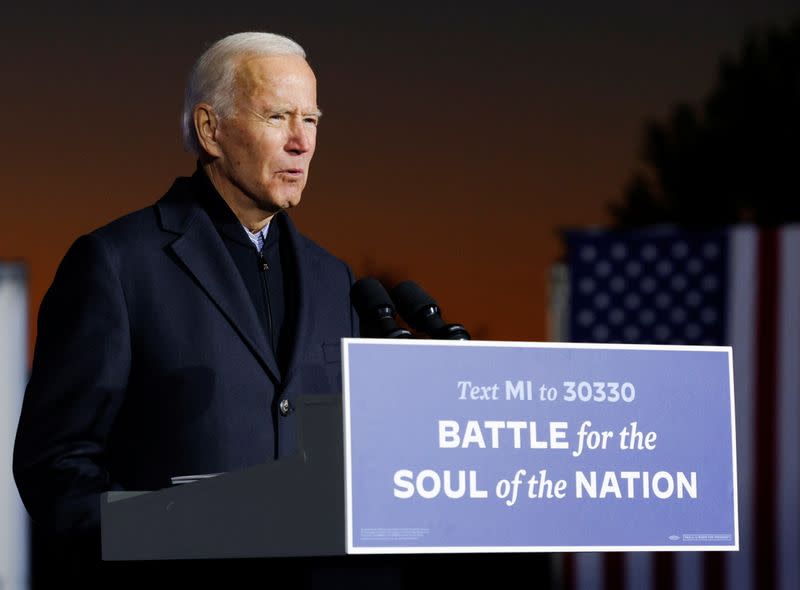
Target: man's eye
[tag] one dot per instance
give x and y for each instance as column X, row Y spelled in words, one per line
column 277, row 117
column 311, row 121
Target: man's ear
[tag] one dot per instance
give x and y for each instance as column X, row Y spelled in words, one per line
column 206, row 124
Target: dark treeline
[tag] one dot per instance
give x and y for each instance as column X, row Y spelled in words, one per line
column 734, row 159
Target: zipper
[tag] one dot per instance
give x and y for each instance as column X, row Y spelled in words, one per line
column 263, row 267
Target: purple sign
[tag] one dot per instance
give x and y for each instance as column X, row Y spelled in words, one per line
column 498, row 446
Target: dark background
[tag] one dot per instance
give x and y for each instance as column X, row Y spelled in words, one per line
column 457, row 139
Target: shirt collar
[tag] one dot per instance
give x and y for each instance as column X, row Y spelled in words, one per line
column 258, row 238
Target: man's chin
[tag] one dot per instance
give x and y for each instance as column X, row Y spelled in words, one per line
column 273, row 205
column 290, row 202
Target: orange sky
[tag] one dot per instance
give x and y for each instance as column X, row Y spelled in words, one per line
column 452, row 148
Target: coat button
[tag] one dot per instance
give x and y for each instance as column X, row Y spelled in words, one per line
column 285, row 407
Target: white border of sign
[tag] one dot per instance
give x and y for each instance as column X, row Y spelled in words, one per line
column 534, row 549
column 14, row 559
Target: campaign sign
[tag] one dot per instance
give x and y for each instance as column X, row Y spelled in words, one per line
column 499, row 446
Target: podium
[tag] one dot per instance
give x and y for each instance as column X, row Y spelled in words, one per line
column 288, row 508
column 472, row 448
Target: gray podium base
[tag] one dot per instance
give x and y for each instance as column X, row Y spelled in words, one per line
column 292, row 507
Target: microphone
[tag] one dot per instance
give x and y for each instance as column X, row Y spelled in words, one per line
column 375, row 310
column 422, row 313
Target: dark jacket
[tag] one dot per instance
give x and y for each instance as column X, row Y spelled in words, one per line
column 151, row 360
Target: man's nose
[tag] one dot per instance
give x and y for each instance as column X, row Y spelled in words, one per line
column 300, row 139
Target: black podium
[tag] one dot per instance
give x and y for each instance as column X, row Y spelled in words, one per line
column 292, row 507
column 290, row 511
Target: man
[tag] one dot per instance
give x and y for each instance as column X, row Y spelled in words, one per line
column 175, row 340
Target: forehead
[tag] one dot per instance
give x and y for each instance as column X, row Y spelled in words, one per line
column 284, row 78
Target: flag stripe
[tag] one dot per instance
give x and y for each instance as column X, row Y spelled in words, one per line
column 741, row 330
column 690, row 570
column 568, row 571
column 766, row 381
column 637, row 568
column 664, row 571
column 713, row 571
column 614, row 570
column 789, row 412
column 589, row 571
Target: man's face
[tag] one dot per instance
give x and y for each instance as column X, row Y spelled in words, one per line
column 267, row 143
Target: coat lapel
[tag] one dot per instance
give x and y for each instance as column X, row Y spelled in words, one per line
column 202, row 251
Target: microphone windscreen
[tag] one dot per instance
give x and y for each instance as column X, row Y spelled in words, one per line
column 368, row 294
column 409, row 298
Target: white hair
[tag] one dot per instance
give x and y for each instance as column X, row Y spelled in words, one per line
column 212, row 76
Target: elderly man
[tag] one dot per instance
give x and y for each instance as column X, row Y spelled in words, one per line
column 175, row 340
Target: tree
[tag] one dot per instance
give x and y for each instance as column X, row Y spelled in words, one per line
column 737, row 157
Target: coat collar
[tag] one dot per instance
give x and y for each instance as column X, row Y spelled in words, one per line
column 191, row 209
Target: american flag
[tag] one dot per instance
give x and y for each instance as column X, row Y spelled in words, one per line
column 738, row 286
